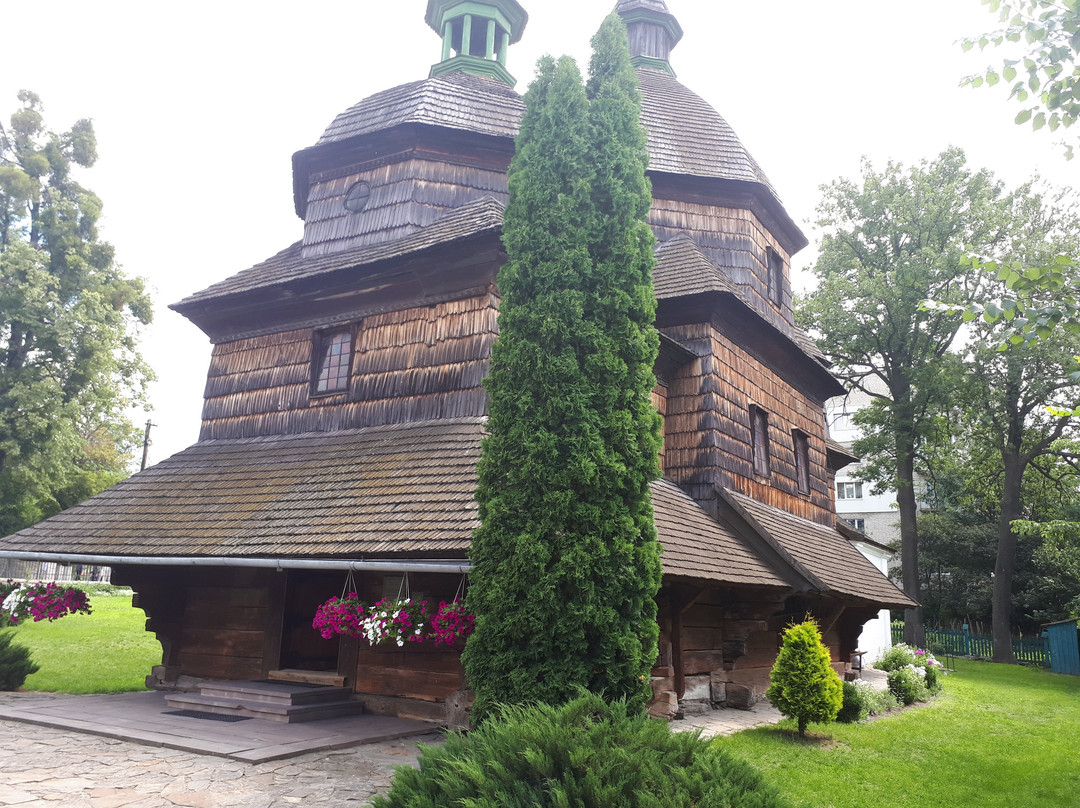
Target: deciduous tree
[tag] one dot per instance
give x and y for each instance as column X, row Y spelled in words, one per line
column 69, row 319
column 1045, row 76
column 1009, row 391
column 891, row 242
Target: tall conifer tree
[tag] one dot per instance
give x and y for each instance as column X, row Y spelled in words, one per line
column 566, row 563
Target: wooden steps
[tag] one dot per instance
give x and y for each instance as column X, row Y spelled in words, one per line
column 329, row 678
column 285, row 702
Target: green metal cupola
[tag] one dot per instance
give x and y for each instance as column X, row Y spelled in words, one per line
column 653, row 32
column 476, row 35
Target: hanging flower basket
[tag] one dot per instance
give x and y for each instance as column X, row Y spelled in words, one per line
column 452, row 624
column 396, row 622
column 340, row 616
column 39, row 601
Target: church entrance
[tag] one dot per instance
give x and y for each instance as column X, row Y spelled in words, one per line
column 302, row 647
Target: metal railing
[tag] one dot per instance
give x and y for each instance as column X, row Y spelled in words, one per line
column 49, row 571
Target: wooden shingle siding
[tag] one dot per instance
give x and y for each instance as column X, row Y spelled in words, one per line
column 736, row 240
column 707, row 427
column 420, row 363
column 405, row 196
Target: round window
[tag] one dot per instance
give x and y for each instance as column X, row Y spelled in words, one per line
column 357, row 197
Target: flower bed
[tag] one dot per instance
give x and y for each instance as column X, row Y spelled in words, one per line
column 913, row 673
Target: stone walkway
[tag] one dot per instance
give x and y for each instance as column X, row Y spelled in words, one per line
column 47, row 766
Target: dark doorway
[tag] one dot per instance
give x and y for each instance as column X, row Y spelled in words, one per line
column 302, row 647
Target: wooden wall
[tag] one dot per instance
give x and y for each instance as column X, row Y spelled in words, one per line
column 227, row 620
column 707, row 427
column 719, row 645
column 736, row 240
column 407, row 193
column 212, row 622
column 419, row 363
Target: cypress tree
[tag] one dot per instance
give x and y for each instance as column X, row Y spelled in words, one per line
column 566, row 563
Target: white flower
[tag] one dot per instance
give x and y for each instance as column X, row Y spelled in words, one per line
column 13, row 601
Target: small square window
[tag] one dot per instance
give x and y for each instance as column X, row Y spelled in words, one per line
column 843, row 420
column 759, row 439
column 776, row 275
column 801, row 442
column 858, row 524
column 332, row 361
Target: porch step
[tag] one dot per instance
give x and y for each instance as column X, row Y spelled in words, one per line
column 273, row 701
column 328, row 678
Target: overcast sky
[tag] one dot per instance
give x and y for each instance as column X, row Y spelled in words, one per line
column 198, row 107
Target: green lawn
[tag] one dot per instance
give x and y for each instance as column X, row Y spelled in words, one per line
column 1000, row 735
column 104, row 652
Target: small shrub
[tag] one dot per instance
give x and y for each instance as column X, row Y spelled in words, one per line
column 896, row 657
column 908, row 684
column 862, row 700
column 583, row 753
column 804, row 685
column 15, row 663
column 881, row 701
column 854, row 708
column 933, row 679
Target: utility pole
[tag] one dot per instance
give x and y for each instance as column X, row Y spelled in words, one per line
column 146, row 443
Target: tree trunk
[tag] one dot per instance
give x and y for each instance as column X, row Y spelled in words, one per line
column 914, row 631
column 1006, row 556
column 903, row 418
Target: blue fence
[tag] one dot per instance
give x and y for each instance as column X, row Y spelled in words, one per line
column 1033, row 650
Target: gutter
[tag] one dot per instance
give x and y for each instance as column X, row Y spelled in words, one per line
column 448, row 566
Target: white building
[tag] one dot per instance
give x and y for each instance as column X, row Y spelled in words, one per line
column 875, row 515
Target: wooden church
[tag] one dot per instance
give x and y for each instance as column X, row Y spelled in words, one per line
column 344, row 404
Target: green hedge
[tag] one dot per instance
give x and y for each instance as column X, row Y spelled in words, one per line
column 584, row 754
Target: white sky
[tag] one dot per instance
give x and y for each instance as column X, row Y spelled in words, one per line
column 198, row 107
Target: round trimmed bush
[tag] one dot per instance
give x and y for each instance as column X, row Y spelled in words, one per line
column 583, row 754
column 855, row 707
column 933, row 679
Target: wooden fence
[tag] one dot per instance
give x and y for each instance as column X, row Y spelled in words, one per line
column 1033, row 650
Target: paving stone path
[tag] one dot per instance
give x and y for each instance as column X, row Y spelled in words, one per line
column 41, row 766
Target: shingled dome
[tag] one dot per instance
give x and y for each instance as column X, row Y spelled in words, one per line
column 686, row 135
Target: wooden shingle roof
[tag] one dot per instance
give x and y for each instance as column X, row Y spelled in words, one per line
column 482, row 215
column 687, row 136
column 391, row 491
column 629, row 5
column 697, row 546
column 683, row 268
column 376, row 491
column 825, row 557
column 456, row 101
